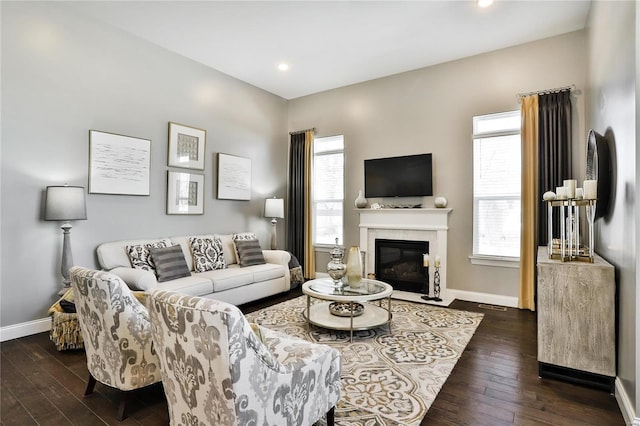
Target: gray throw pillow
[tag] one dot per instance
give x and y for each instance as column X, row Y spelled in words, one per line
column 249, row 252
column 170, row 263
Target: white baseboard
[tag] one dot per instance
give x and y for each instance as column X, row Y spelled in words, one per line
column 626, row 406
column 488, row 298
column 24, row 329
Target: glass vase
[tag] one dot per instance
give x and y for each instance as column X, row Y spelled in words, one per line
column 354, row 267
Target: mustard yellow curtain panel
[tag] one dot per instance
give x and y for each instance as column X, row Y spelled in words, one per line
column 529, row 197
column 299, row 218
column 309, row 252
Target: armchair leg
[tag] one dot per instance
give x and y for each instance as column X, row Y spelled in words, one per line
column 122, row 408
column 91, row 383
column 331, row 414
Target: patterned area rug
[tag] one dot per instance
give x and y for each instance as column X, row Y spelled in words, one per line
column 388, row 378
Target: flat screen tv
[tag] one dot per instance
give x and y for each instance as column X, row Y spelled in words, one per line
column 406, row 176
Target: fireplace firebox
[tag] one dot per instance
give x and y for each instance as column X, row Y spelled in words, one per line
column 400, row 264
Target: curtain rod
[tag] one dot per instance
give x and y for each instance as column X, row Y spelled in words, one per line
column 302, row 131
column 519, row 96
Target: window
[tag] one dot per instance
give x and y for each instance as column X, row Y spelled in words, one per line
column 496, row 186
column 328, row 190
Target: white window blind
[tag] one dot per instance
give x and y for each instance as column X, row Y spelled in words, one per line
column 496, row 185
column 328, row 189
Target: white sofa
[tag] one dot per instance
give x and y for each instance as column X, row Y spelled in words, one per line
column 234, row 284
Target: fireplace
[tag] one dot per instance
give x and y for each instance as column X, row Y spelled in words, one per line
column 399, row 263
column 426, row 224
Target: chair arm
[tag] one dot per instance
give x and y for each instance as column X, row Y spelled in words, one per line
column 136, row 279
column 291, row 352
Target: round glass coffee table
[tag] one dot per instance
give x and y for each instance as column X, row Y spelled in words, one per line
column 345, row 308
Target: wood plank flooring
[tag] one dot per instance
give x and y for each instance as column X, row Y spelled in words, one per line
column 494, row 383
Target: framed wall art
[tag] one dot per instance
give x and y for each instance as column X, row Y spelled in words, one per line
column 185, row 193
column 186, row 146
column 118, row 164
column 234, row 177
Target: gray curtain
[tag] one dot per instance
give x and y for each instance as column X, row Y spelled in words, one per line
column 296, row 208
column 554, row 153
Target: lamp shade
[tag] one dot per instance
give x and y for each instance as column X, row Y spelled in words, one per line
column 274, row 207
column 65, row 203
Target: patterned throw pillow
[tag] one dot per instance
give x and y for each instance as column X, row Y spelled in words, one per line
column 170, row 263
column 207, row 254
column 242, row 236
column 140, row 256
column 249, row 253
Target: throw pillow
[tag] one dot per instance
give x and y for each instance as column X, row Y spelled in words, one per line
column 249, row 253
column 140, row 256
column 170, row 263
column 207, row 254
column 242, row 236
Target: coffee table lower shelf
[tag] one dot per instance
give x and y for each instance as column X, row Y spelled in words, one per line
column 372, row 317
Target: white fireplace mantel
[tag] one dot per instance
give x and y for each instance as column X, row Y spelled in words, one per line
column 428, row 224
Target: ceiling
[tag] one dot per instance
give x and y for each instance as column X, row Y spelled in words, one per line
column 330, row 44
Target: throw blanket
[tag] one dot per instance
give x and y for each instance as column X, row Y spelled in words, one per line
column 295, row 272
column 65, row 331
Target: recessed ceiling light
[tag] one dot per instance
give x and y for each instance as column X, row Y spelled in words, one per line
column 485, row 3
column 283, row 67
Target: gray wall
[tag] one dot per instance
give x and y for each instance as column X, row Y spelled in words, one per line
column 431, row 110
column 612, row 106
column 63, row 74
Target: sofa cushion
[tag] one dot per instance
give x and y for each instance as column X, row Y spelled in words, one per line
column 268, row 271
column 195, row 285
column 207, row 254
column 228, row 249
column 237, row 276
column 249, row 252
column 140, row 255
column 170, row 263
column 114, row 254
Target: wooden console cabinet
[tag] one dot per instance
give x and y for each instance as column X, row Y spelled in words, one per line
column 576, row 321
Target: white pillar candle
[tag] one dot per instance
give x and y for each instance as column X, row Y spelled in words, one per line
column 570, row 184
column 437, row 261
column 561, row 193
column 425, row 260
column 590, row 189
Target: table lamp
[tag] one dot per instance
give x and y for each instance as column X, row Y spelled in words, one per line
column 65, row 203
column 274, row 208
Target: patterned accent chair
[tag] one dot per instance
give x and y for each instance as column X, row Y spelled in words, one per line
column 217, row 369
column 117, row 334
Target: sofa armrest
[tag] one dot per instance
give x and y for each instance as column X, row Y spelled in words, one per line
column 279, row 257
column 136, row 279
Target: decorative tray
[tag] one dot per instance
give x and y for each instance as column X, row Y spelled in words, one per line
column 343, row 309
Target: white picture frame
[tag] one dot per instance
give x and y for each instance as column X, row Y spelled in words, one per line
column 234, row 177
column 118, row 164
column 185, row 193
column 187, row 146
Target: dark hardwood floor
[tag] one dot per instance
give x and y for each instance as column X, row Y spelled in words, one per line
column 495, row 382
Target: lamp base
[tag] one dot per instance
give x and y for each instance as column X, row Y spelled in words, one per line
column 274, row 244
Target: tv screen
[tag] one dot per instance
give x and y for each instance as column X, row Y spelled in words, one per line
column 406, row 176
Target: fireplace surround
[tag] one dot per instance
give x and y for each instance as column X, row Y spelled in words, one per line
column 420, row 224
